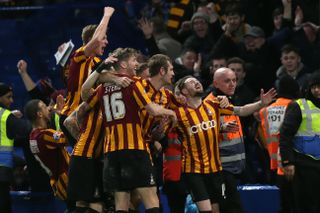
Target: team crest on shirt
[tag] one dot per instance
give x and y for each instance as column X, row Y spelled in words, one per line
column 57, row 135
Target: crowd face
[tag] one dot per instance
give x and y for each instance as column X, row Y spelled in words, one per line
column 169, row 75
column 7, row 99
column 234, row 22
column 277, row 21
column 216, row 64
column 102, row 45
column 200, row 27
column 290, row 61
column 253, row 43
column 188, row 59
column 315, row 90
column 226, row 82
column 239, row 71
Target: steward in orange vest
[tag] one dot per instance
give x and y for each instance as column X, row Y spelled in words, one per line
column 271, row 120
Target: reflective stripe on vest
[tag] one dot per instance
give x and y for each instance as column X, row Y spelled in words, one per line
column 232, row 158
column 228, row 141
column 307, row 139
column 6, row 144
column 271, row 120
column 280, row 167
column 56, row 121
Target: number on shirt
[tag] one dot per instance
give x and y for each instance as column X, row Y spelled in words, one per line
column 114, row 106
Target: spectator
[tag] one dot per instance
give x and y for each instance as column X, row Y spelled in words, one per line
column 187, row 64
column 271, row 120
column 292, row 66
column 235, row 24
column 259, row 54
column 204, row 35
column 215, row 63
column 231, row 144
column 156, row 28
column 299, row 148
column 11, row 129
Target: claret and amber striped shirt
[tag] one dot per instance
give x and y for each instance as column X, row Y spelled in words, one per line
column 90, row 143
column 199, row 130
column 80, row 69
column 47, row 146
column 121, row 108
column 163, row 97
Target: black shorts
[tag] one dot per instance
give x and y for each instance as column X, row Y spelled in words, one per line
column 126, row 170
column 205, row 186
column 85, row 179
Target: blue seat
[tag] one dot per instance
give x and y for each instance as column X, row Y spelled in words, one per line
column 259, row 198
column 35, row 202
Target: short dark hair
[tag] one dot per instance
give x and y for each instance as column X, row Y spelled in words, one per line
column 141, row 68
column 185, row 50
column 237, row 60
column 87, row 32
column 31, row 109
column 123, row 54
column 234, row 9
column 290, row 48
column 277, row 11
column 156, row 62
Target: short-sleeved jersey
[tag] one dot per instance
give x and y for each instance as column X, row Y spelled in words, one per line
column 48, row 148
column 80, row 69
column 163, row 97
column 199, row 129
column 121, row 108
column 90, row 143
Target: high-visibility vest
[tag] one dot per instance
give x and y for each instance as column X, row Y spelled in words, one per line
column 6, row 144
column 57, row 121
column 271, row 120
column 307, row 139
column 172, row 158
column 231, row 146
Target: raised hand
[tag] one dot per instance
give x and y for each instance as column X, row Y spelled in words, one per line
column 22, row 66
column 108, row 11
column 298, row 16
column 146, row 26
column 267, row 98
column 60, row 103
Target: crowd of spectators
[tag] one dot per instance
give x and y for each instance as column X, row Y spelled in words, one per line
column 200, row 37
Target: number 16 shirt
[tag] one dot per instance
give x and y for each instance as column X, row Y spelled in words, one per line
column 121, row 108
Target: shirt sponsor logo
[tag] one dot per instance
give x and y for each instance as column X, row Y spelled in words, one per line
column 203, row 126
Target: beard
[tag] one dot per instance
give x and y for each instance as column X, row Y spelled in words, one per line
column 199, row 94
